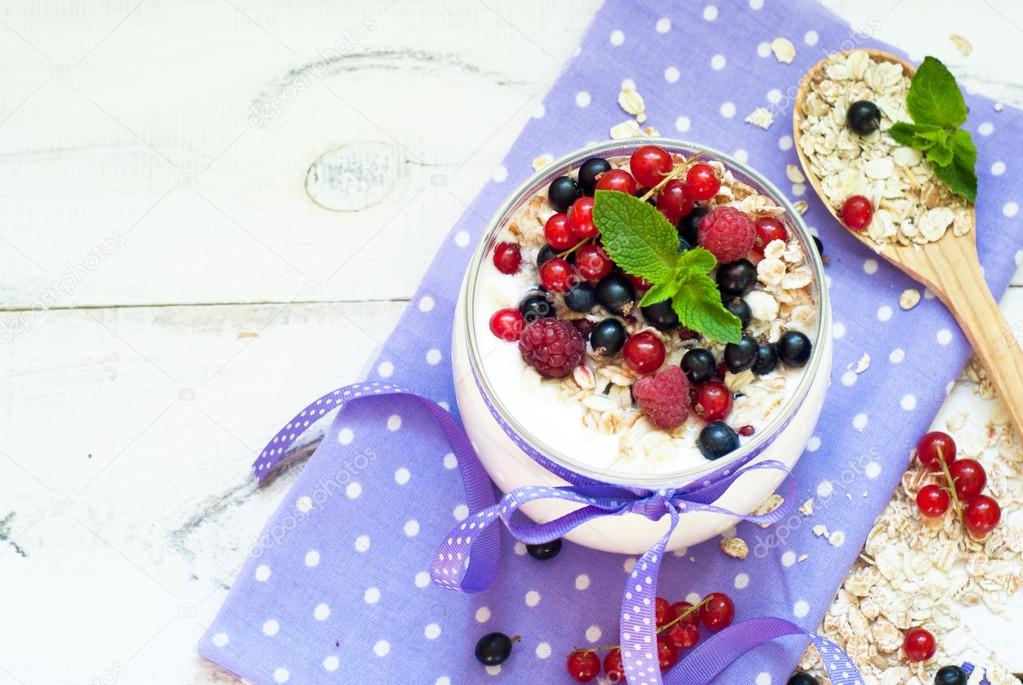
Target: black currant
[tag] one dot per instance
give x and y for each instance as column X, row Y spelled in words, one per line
column 793, row 349
column 950, row 675
column 736, row 279
column 741, row 355
column 766, row 360
column 717, row 439
column 536, row 306
column 589, row 171
column 802, row 679
column 546, row 254
column 863, row 117
column 738, row 306
column 545, row 550
column 608, row 337
column 699, row 365
column 493, row 649
column 690, row 224
column 562, row 192
column 819, row 245
column 661, row 315
column 617, row 294
column 581, row 298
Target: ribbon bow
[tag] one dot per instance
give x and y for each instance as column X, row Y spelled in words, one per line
column 469, row 558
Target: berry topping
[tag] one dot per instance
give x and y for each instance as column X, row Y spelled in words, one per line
column 673, row 202
column 950, row 675
column 562, row 192
column 934, row 446
column 802, row 679
column 507, row 324
column 507, row 257
column 857, row 212
column 664, row 398
column 661, row 315
column 793, row 349
column 536, row 306
column 580, row 219
column 863, row 117
column 713, row 401
column 617, row 294
column 613, row 668
column 741, row 355
column 689, row 226
column 545, row 550
column 717, row 439
column 552, row 346
column 747, row 430
column 736, row 279
column 702, row 183
column 699, row 365
column 558, row 233
column 667, row 655
column 592, row 262
column 589, row 171
column 932, row 500
column 650, row 164
column 617, row 179
column 981, row 515
column 717, row 611
column 969, row 478
column 493, row 649
column 768, row 230
column 738, row 307
column 644, row 352
column 608, row 337
column 639, row 283
column 583, row 666
column 556, row 275
column 728, row 233
column 581, row 297
column 766, row 360
column 545, row 254
column 919, row 645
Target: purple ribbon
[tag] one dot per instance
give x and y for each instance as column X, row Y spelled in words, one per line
column 469, row 558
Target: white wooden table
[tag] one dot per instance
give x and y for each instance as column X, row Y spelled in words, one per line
column 161, row 259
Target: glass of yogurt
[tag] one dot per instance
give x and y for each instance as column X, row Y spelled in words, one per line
column 582, row 415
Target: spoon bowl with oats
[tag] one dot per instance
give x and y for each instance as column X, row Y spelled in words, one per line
column 918, row 178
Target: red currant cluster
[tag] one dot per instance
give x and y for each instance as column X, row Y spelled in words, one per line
column 678, row 628
column 961, row 486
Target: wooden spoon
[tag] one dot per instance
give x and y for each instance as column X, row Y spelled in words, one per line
column 948, row 267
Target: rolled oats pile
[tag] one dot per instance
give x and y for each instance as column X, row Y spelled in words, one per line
column 912, row 206
column 919, row 572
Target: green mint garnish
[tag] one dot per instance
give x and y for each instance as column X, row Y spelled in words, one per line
column 643, row 243
column 938, row 110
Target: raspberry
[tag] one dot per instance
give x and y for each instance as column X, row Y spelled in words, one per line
column 664, row 397
column 554, row 347
column 728, row 233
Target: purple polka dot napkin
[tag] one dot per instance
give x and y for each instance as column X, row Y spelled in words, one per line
column 338, row 589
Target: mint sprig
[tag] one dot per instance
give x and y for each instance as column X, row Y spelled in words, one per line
column 643, row 243
column 939, row 110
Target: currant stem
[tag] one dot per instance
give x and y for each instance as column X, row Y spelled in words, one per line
column 956, row 504
column 660, row 629
column 585, row 241
column 677, row 172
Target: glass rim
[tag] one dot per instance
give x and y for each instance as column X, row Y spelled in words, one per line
column 625, row 477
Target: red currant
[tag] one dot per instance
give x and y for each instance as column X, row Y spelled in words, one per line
column 713, row 401
column 507, row 324
column 583, row 666
column 673, row 202
column 613, row 668
column 556, row 275
column 932, row 500
column 662, row 611
column 580, row 219
column 644, row 352
column 678, row 608
column 683, row 636
column 769, row 229
column 969, row 478
column 507, row 257
column 717, row 611
column 746, row 431
column 617, row 179
column 667, row 655
column 919, row 645
column 640, row 284
column 981, row 515
column 933, row 443
column 558, row 233
column 701, row 182
column 857, row 212
column 592, row 262
column 650, row 164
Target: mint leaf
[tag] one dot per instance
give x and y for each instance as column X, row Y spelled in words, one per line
column 960, row 176
column 659, row 292
column 935, row 98
column 940, row 154
column 698, row 259
column 636, row 236
column 919, row 136
column 699, row 308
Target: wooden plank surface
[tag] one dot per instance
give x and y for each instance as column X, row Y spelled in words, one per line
column 162, row 259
